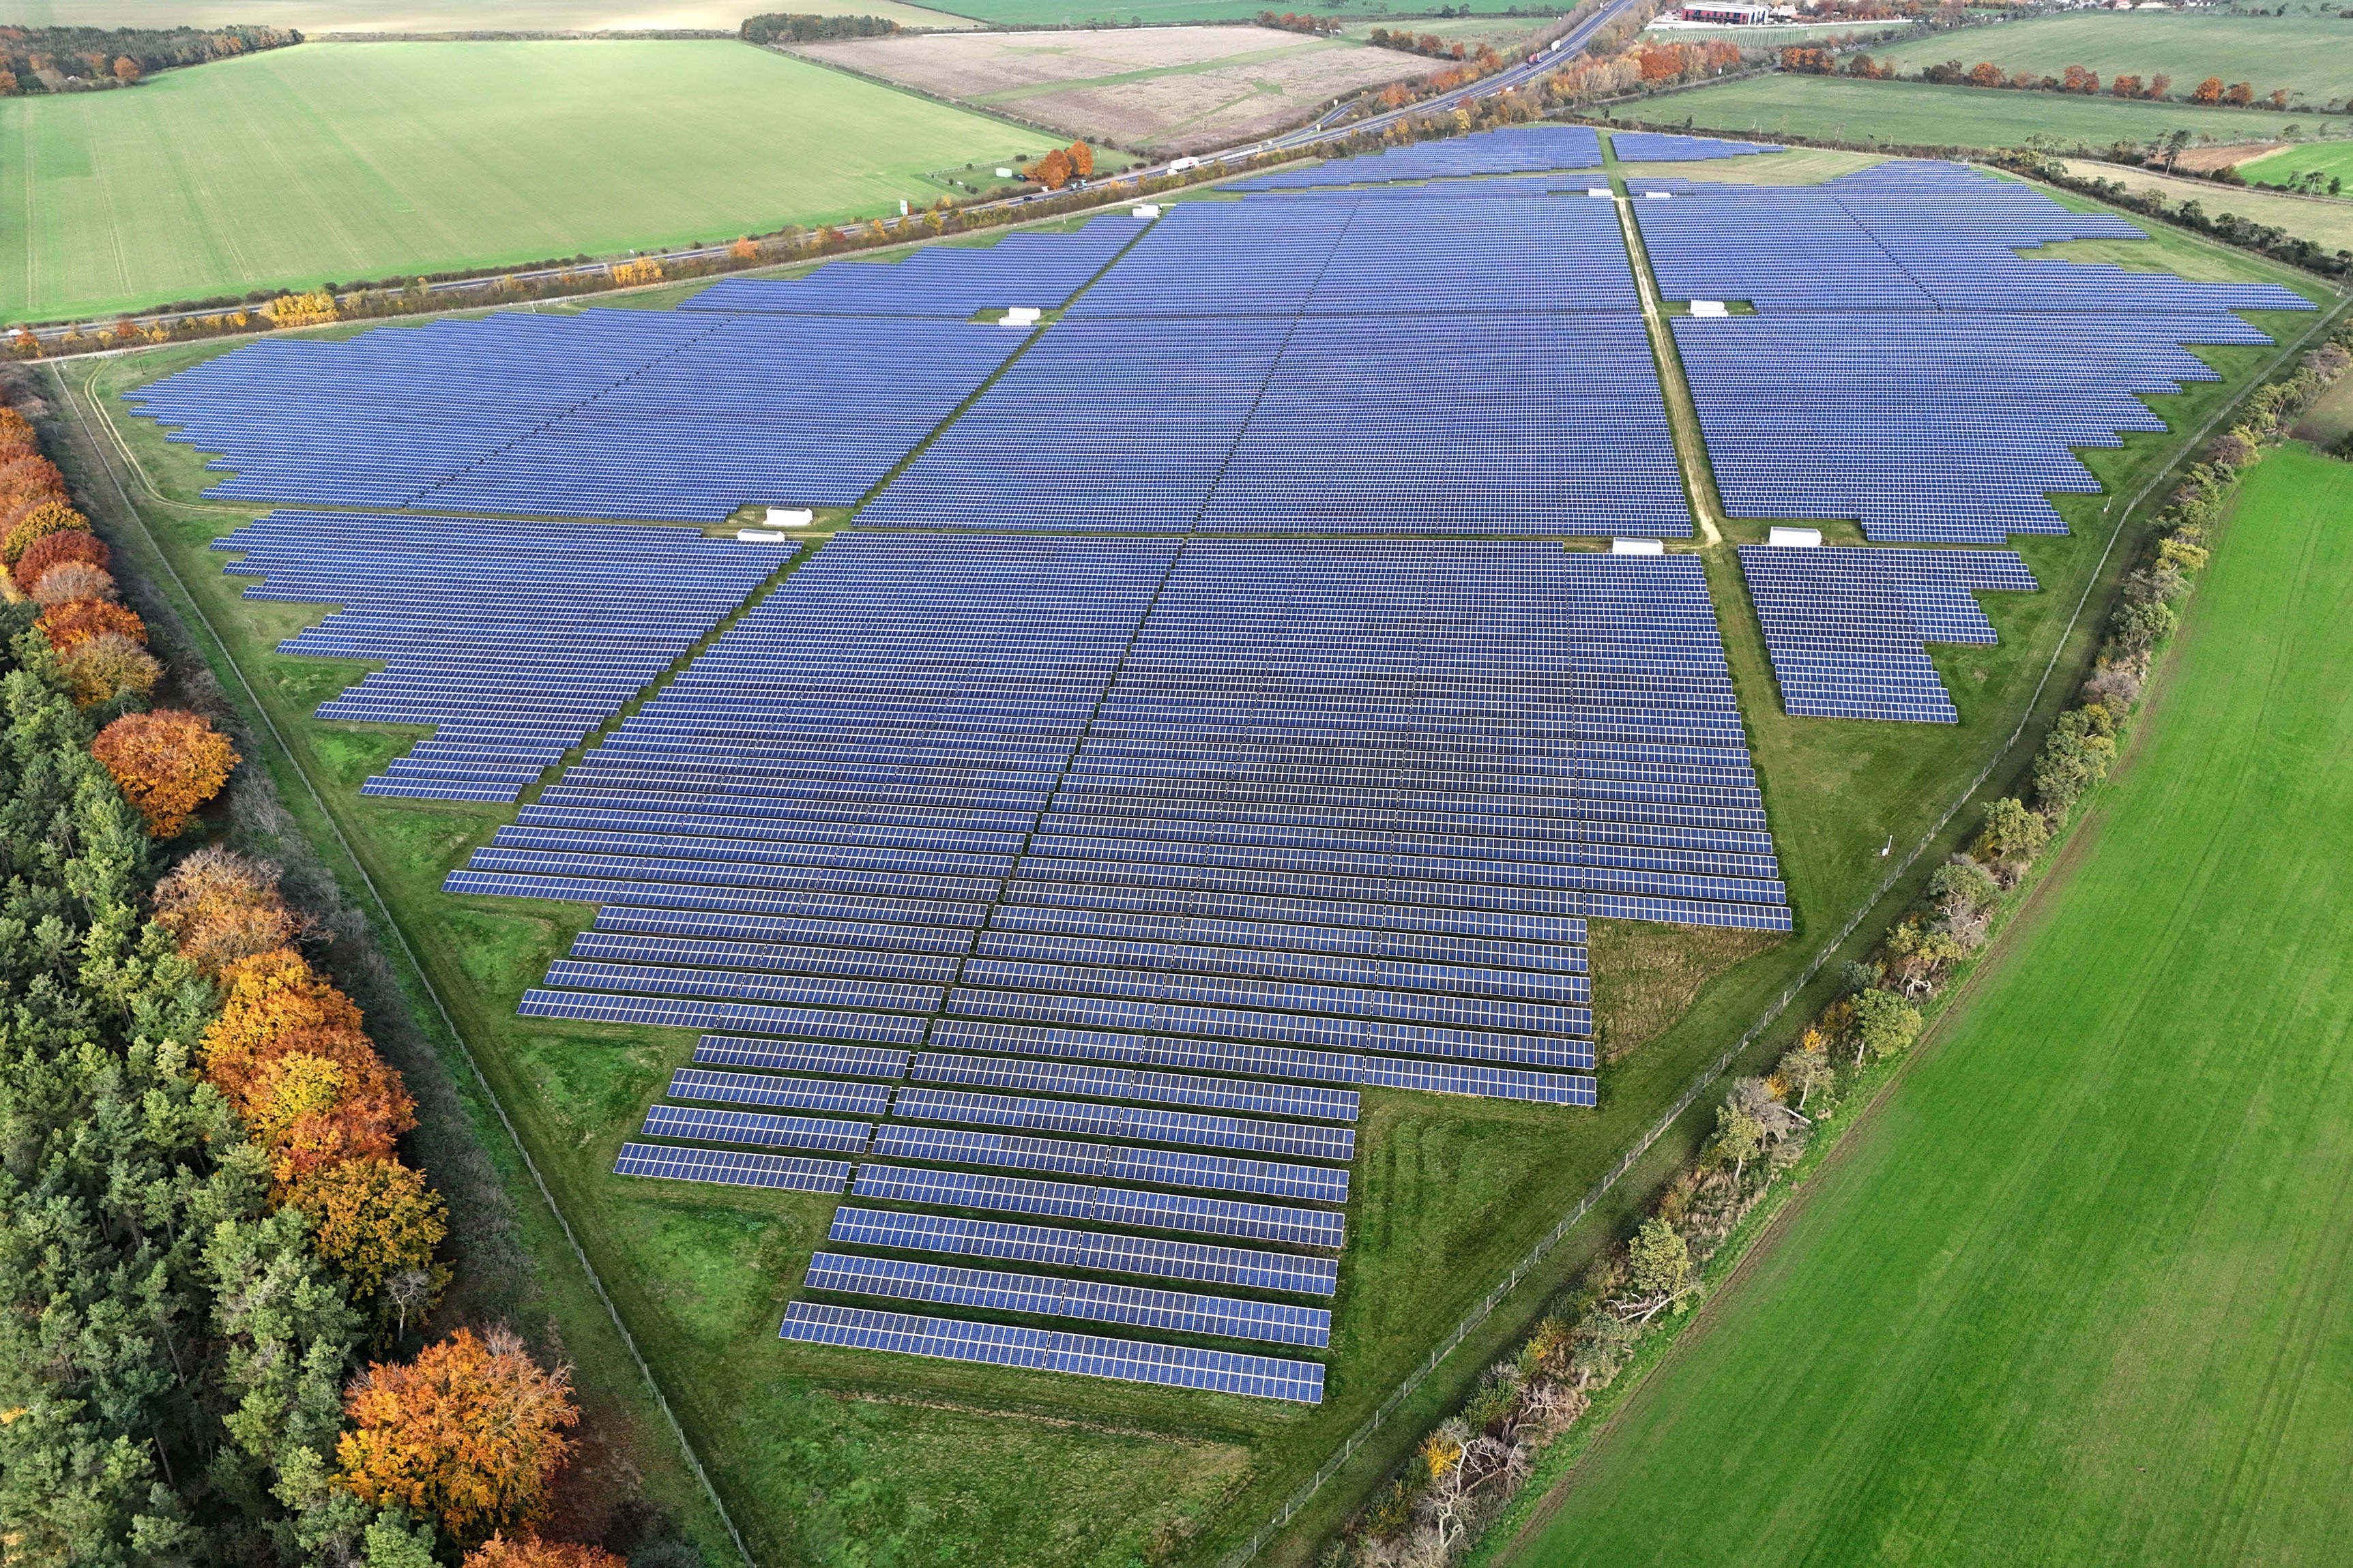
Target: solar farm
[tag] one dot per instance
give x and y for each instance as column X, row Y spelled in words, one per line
column 1216, row 716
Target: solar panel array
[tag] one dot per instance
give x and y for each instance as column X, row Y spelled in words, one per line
column 1214, row 380
column 1132, row 860
column 1041, row 271
column 515, row 639
column 1055, row 898
column 609, row 413
column 1844, row 628
column 1515, row 150
column 1659, row 147
column 1907, row 367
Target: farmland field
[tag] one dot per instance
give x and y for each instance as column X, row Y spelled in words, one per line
column 2326, row 224
column 2077, row 1293
column 314, row 17
column 1174, row 89
column 1919, row 114
column 2302, row 54
column 2281, row 167
column 349, row 161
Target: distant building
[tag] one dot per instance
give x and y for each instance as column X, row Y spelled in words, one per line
column 1738, row 15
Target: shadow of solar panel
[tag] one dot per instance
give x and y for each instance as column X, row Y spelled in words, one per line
column 1201, row 1262
column 1176, row 1312
column 1133, row 1361
column 727, row 1167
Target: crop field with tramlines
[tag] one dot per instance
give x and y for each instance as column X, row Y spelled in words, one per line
column 1087, row 920
column 334, row 162
column 2073, row 1288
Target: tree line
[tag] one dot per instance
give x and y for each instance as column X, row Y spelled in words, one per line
column 60, row 59
column 218, row 1275
column 2079, row 80
column 1465, row 1475
column 797, row 28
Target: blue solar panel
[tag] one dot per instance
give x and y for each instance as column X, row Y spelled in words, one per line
column 605, row 412
column 1113, row 1162
column 957, row 281
column 1202, row 1262
column 728, row 1167
column 1845, row 627
column 757, row 1131
column 1658, row 147
column 1102, row 1205
column 1515, row 150
column 764, row 1089
column 1179, row 1311
column 513, row 639
column 1133, row 1360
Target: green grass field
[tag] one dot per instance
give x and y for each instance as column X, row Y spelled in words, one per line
column 2302, row 54
column 315, row 17
column 347, row 160
column 2326, row 224
column 825, row 1456
column 2281, row 168
column 2077, row 1293
column 1917, row 114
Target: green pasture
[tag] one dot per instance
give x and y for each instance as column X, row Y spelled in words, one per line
column 339, row 162
column 2281, row 168
column 2075, row 1293
column 2305, row 54
column 832, row 1456
column 1915, row 114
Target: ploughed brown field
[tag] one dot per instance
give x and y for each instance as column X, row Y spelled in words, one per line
column 1160, row 90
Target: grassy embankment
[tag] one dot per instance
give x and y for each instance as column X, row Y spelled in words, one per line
column 336, row 161
column 816, row 1450
column 2074, row 1293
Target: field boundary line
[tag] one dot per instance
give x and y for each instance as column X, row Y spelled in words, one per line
column 1495, row 1298
column 563, row 1222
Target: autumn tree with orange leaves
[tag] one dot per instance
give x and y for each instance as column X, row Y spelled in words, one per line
column 469, row 1433
column 220, row 906
column 1053, row 171
column 79, row 620
column 289, row 1052
column 530, row 1551
column 167, row 763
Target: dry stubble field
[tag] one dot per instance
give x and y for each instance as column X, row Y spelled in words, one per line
column 1171, row 90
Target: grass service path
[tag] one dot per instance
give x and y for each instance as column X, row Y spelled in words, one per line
column 337, row 162
column 2080, row 1293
